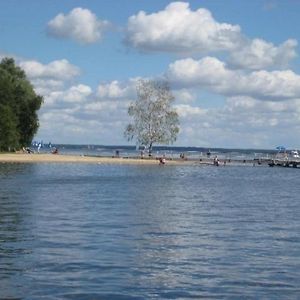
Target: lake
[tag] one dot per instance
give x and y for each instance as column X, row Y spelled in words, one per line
column 80, row 231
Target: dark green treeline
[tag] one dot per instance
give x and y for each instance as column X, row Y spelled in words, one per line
column 18, row 107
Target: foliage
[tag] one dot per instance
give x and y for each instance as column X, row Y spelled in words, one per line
column 18, row 107
column 8, row 134
column 154, row 120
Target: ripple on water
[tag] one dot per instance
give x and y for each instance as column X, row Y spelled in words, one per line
column 145, row 232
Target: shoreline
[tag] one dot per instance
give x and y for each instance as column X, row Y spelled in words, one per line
column 71, row 158
column 65, row 158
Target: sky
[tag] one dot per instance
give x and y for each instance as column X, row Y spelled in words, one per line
column 233, row 67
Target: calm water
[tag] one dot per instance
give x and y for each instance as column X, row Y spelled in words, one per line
column 76, row 231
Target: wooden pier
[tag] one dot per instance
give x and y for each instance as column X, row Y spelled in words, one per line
column 284, row 163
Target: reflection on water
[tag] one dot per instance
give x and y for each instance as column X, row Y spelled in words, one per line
column 136, row 232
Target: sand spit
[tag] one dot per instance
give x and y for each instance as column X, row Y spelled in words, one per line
column 52, row 158
column 65, row 158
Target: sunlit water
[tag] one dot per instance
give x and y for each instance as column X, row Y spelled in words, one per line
column 77, row 231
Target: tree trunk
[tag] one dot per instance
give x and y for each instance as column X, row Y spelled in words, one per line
column 150, row 149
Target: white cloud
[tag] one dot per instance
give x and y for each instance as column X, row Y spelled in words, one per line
column 258, row 54
column 116, row 90
column 51, row 78
column 242, row 104
column 179, row 29
column 77, row 94
column 80, row 25
column 46, row 86
column 208, row 71
column 101, row 106
column 184, row 96
column 90, row 123
column 74, row 95
column 57, row 70
column 76, row 114
column 241, row 122
column 213, row 75
column 185, row 110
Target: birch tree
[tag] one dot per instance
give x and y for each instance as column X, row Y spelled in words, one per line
column 154, row 121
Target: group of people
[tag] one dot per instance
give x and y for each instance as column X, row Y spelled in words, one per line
column 28, row 150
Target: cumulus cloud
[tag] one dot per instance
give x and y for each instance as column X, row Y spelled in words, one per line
column 84, row 114
column 71, row 126
column 186, row 110
column 179, row 29
column 57, row 70
column 80, row 25
column 78, row 94
column 259, row 54
column 214, row 75
column 242, row 121
column 87, row 121
column 106, row 111
column 116, row 89
column 49, row 78
column 184, row 96
column 74, row 112
column 77, row 113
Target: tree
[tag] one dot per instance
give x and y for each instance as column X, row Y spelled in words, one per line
column 154, row 120
column 18, row 107
column 9, row 136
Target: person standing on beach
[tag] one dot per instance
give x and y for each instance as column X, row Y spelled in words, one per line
column 216, row 161
column 39, row 147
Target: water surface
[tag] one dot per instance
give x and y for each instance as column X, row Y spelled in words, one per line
column 76, row 231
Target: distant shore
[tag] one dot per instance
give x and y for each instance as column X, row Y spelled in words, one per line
column 64, row 158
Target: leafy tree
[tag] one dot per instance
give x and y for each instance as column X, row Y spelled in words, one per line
column 154, row 120
column 18, row 107
column 9, row 138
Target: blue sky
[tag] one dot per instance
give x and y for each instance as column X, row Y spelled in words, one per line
column 233, row 66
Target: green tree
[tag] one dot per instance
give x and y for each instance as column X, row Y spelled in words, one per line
column 18, row 107
column 9, row 137
column 154, row 119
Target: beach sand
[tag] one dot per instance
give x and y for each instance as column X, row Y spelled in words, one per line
column 59, row 158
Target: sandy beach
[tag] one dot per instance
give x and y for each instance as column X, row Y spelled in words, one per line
column 66, row 158
column 51, row 158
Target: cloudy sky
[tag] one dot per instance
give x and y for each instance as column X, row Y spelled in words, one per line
column 233, row 66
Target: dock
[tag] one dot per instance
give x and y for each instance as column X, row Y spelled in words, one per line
column 284, row 163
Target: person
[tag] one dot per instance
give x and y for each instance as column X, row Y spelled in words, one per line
column 216, row 161
column 162, row 161
column 55, row 151
column 27, row 150
column 39, row 147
